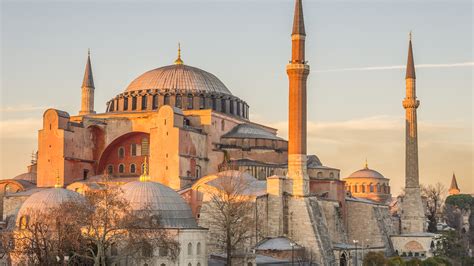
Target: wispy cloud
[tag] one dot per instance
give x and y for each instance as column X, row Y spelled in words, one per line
column 19, row 128
column 21, row 108
column 371, row 68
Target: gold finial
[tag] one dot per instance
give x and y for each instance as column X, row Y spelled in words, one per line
column 366, row 164
column 178, row 61
column 144, row 177
column 58, row 184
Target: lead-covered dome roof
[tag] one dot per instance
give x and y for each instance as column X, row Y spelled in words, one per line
column 366, row 173
column 173, row 211
column 178, row 78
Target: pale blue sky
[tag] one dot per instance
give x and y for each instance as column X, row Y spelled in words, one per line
column 247, row 45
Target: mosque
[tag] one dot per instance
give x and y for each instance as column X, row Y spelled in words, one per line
column 193, row 130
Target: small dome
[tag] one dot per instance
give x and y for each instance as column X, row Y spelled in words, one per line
column 366, row 173
column 46, row 199
column 174, row 212
column 178, row 78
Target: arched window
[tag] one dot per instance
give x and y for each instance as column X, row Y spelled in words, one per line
column 198, row 171
column 198, row 248
column 163, row 252
column 231, row 106
column 111, row 106
column 147, row 250
column 355, row 188
column 133, row 149
column 167, row 99
column 384, row 188
column 213, row 103
column 155, row 102
column 331, row 175
column 190, row 249
column 202, row 102
column 179, row 101
column 110, row 169
column 134, row 103
column 125, row 103
column 113, row 249
column 223, row 106
column 371, row 187
column 362, row 188
column 319, row 174
column 121, row 168
column 121, row 152
column 23, row 222
column 190, row 101
column 238, row 109
column 378, row 187
column 133, row 168
column 144, row 103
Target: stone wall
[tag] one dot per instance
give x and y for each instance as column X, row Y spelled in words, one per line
column 335, row 220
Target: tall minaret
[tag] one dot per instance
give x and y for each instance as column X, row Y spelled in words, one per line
column 298, row 72
column 87, row 99
column 413, row 217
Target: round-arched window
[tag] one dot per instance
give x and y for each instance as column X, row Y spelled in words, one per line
column 121, row 152
column 121, row 168
column 110, row 169
column 133, row 168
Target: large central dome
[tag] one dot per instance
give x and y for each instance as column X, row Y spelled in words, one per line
column 179, row 77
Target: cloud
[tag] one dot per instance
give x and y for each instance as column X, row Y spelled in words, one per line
column 370, row 68
column 19, row 128
column 21, row 108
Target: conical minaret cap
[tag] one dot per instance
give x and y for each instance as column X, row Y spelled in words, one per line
column 88, row 80
column 298, row 21
column 454, row 183
column 410, row 62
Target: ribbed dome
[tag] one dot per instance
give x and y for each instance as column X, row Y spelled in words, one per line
column 44, row 200
column 174, row 212
column 178, row 77
column 366, row 173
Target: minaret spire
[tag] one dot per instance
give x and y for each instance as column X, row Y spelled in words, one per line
column 454, row 189
column 413, row 217
column 87, row 99
column 298, row 72
column 178, row 60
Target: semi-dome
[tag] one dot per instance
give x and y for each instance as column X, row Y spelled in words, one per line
column 44, row 200
column 173, row 211
column 179, row 78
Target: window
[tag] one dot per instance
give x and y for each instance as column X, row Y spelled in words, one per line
column 238, row 109
column 371, row 188
column 179, row 101
column 202, row 102
column 223, row 105
column 113, row 249
column 163, row 252
column 134, row 103
column 121, row 152
column 213, row 103
column 355, row 188
column 23, row 222
column 198, row 171
column 232, row 107
column 155, row 102
column 198, row 248
column 121, row 168
column 319, row 174
column 331, row 175
column 133, row 149
column 133, row 168
column 110, row 169
column 111, row 106
column 8, row 188
column 167, row 99
column 85, row 172
column 190, row 249
column 144, row 103
column 190, row 101
column 147, row 250
column 145, row 146
column 222, row 125
column 378, row 187
column 125, row 103
column 362, row 188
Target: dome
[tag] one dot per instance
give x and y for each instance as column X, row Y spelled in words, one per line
column 46, row 199
column 366, row 173
column 174, row 212
column 178, row 78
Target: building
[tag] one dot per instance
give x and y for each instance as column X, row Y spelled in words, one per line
column 368, row 184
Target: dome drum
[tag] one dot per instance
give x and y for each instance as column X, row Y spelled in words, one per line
column 152, row 99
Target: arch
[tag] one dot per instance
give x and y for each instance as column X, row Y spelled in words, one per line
column 331, row 175
column 231, row 106
column 343, row 259
column 147, row 250
column 144, row 102
column 371, row 187
column 154, row 105
column 133, row 168
column 113, row 249
column 110, row 169
column 378, row 188
column 223, row 105
column 362, row 188
column 190, row 248
column 167, row 99
column 189, row 101
column 198, row 171
column 356, row 188
column 121, row 168
column 134, row 103
column 213, row 103
column 202, row 102
column 125, row 103
column 179, row 101
column 319, row 175
column 121, row 152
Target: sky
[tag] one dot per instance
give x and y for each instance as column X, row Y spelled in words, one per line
column 357, row 51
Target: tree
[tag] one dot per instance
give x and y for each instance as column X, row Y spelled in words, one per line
column 374, row 259
column 230, row 211
column 107, row 222
column 434, row 195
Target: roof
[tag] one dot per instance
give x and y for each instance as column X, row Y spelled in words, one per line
column 250, row 131
column 454, row 183
column 298, row 20
column 276, row 243
column 178, row 78
column 173, row 211
column 250, row 185
column 366, row 173
column 410, row 62
column 88, row 80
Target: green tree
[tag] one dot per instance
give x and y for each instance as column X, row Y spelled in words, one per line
column 414, row 262
column 396, row 261
column 374, row 259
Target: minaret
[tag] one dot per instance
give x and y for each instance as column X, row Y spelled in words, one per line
column 454, row 189
column 298, row 72
column 87, row 99
column 413, row 218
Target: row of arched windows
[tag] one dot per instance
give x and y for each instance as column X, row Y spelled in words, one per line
column 190, row 249
column 370, row 188
column 234, row 107
column 132, row 168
